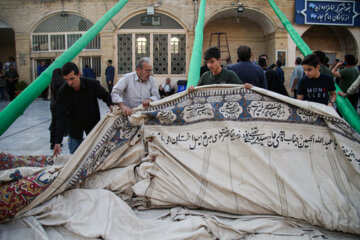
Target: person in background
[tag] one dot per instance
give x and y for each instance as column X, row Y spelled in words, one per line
column 7, row 65
column 316, row 86
column 89, row 72
column 166, row 89
column 322, row 58
column 263, row 56
column 57, row 81
column 13, row 63
column 136, row 88
column 327, row 62
column 109, row 73
column 347, row 76
column 11, row 78
column 262, row 64
column 204, row 69
column 279, row 71
column 2, row 86
column 353, row 89
column 77, row 108
column 296, row 75
column 337, row 79
column 228, row 62
column 246, row 70
column 273, row 81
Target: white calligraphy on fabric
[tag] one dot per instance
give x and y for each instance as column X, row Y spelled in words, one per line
column 271, row 139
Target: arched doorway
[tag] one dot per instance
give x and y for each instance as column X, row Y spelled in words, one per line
column 335, row 41
column 249, row 27
column 7, row 42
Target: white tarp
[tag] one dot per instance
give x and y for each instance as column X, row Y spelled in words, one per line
column 266, row 166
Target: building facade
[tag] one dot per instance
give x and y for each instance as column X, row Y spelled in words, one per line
column 36, row 30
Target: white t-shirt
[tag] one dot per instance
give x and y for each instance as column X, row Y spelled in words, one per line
column 166, row 87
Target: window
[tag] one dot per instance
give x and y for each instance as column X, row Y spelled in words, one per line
column 160, row 55
column 60, row 32
column 159, row 37
column 94, row 44
column 141, row 45
column 174, row 43
column 281, row 55
column 178, row 56
column 167, row 52
column 40, row 43
column 72, row 38
column 125, row 53
column 92, row 62
column 57, row 42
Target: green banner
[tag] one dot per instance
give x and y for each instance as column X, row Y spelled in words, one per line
column 195, row 62
column 17, row 107
column 343, row 104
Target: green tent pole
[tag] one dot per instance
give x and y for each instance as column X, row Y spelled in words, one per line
column 195, row 62
column 343, row 104
column 21, row 102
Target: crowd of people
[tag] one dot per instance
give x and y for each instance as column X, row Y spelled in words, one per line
column 75, row 110
column 311, row 79
column 8, row 79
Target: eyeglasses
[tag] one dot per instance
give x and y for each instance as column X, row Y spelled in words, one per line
column 148, row 70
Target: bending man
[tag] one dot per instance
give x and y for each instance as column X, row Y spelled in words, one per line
column 77, row 107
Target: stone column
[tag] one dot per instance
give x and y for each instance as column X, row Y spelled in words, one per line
column 23, row 61
column 108, row 50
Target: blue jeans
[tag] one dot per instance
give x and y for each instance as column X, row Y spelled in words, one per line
column 73, row 144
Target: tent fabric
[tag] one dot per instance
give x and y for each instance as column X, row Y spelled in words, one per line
column 250, row 154
column 94, row 214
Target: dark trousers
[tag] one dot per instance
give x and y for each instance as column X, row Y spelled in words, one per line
column 354, row 100
column 45, row 93
column 110, row 86
column 295, row 94
column 2, row 93
column 52, row 127
column 10, row 88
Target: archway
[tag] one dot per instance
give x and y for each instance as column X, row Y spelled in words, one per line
column 250, row 27
column 7, row 40
column 335, row 41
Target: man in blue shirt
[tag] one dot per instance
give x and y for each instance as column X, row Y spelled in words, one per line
column 89, row 72
column 246, row 70
column 110, row 73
